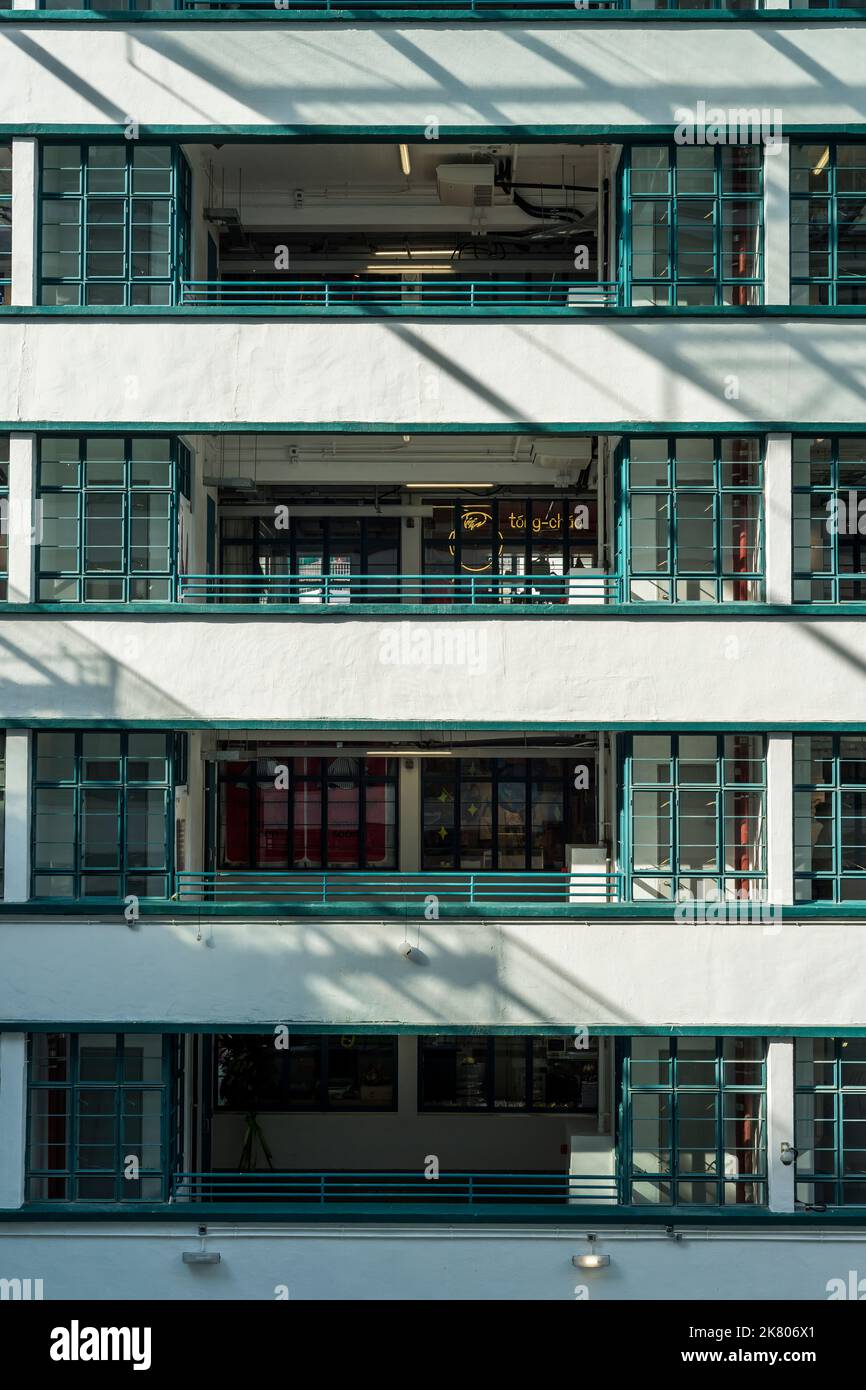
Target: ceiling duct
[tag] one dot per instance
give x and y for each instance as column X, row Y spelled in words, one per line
column 466, row 185
column 561, row 453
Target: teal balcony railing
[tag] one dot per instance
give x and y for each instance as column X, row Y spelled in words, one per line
column 580, row 587
column 379, row 890
column 394, row 295
column 347, row 1188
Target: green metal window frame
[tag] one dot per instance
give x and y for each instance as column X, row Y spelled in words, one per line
column 487, row 1045
column 668, row 1184
column 83, row 1099
column 325, row 1042
column 322, row 9
column 5, row 522
column 674, row 285
column 82, row 583
column 122, row 877
column 829, row 287
column 829, row 1115
column 670, row 883
column 829, row 483
column 841, row 797
column 457, row 772
column 83, row 288
column 718, row 497
column 5, row 221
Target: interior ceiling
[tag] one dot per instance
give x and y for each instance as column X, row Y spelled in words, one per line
column 301, row 188
column 341, row 458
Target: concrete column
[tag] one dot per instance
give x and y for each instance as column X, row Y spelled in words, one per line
column 411, row 543
column 16, row 878
column 409, row 815
column 780, row 818
column 777, row 224
column 780, row 1122
column 25, row 187
column 21, row 522
column 778, row 518
column 13, row 1118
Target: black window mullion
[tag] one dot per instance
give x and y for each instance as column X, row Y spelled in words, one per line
column 323, row 1071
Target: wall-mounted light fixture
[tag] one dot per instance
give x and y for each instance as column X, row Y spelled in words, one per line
column 591, row 1260
column 787, row 1153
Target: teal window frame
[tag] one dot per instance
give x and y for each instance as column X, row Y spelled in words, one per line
column 116, row 1105
column 525, row 1050
column 68, row 528
column 829, row 1116
column 716, row 497
column 673, row 285
column 841, row 801
column 828, row 286
column 5, row 222
column 829, row 483
column 676, row 798
column 5, row 523
column 65, row 798
column 94, row 206
column 684, row 1077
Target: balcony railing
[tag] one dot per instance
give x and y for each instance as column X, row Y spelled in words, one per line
column 394, row 295
column 325, row 1188
column 564, row 7
column 377, row 889
column 579, row 587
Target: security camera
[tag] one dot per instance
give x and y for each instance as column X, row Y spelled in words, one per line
column 787, row 1154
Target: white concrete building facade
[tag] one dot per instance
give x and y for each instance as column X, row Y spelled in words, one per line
column 432, row 584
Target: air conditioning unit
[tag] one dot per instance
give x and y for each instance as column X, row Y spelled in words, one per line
column 561, row 453
column 466, row 185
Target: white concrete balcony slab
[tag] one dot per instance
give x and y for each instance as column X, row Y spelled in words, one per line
column 588, row 672
column 583, row 71
column 188, row 367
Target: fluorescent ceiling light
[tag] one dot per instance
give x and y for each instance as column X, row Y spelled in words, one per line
column 408, row 753
column 449, row 485
column 405, row 162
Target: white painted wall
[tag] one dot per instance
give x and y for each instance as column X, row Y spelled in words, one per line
column 593, row 370
column 13, row 1111
column 584, row 672
column 399, row 75
column 475, row 973
column 378, row 1263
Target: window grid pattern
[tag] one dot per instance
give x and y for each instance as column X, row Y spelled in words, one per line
column 696, row 817
column 830, row 818
column 694, row 1131
column 513, row 814
column 278, row 812
column 99, row 1117
column 694, row 524
column 308, row 1072
column 507, row 1074
column 112, row 227
column 102, row 815
column 828, row 234
column 308, row 547
column 829, row 523
column 694, row 223
column 830, row 1121
column 108, row 519
column 5, row 222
